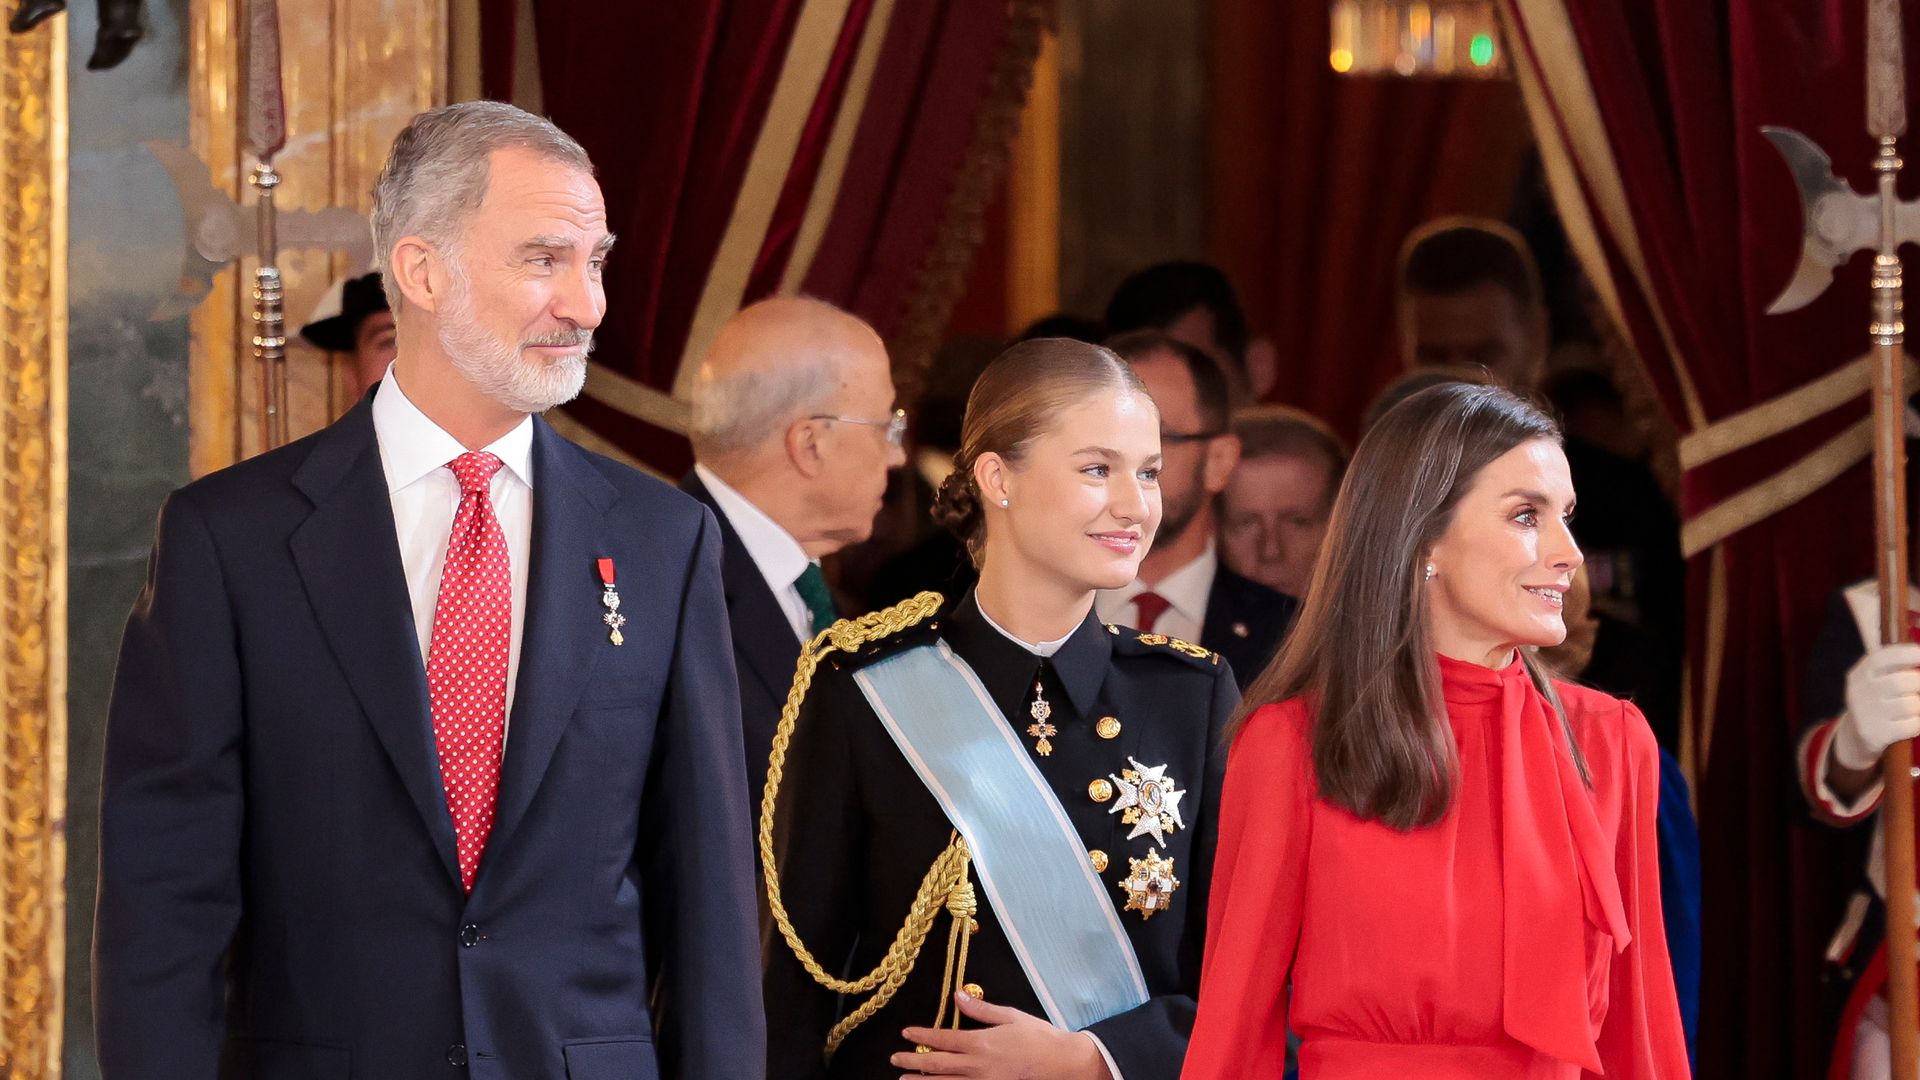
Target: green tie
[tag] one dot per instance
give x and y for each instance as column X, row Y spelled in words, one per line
column 813, row 589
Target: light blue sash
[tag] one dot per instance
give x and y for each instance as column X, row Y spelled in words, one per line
column 1035, row 870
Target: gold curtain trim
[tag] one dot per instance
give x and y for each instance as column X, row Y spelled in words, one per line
column 636, row 399
column 1560, row 80
column 1787, row 411
column 833, row 166
column 1779, row 491
column 33, row 552
column 941, row 278
column 815, row 34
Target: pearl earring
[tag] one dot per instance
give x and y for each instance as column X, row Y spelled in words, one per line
column 1430, row 571
column 1003, row 502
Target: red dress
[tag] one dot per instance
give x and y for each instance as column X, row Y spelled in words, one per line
column 1519, row 936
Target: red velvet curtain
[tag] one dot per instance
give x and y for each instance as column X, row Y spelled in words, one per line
column 1694, row 223
column 1314, row 180
column 674, row 100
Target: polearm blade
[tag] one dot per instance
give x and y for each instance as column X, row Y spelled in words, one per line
column 1887, row 121
column 264, row 133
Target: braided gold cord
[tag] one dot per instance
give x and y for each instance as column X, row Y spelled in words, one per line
column 948, row 872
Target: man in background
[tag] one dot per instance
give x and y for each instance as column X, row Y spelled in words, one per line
column 353, row 318
column 1274, row 511
column 1183, row 591
column 1194, row 302
column 794, row 431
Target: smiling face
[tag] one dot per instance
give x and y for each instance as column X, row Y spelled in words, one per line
column 1503, row 566
column 526, row 282
column 1083, row 499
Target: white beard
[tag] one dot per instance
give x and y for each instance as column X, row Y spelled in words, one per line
column 498, row 369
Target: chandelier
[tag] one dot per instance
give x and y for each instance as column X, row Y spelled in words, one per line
column 1432, row 38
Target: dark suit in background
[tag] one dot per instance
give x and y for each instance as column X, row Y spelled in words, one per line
column 279, row 898
column 765, row 650
column 1246, row 622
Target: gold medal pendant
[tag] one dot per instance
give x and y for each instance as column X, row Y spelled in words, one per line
column 1149, row 884
column 1041, row 711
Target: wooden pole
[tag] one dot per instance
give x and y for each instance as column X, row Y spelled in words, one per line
column 1887, row 121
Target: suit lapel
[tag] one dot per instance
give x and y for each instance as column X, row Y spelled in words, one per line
column 759, row 623
column 348, row 559
column 563, row 630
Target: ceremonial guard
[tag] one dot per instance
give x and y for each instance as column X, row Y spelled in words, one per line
column 1856, row 703
column 989, row 825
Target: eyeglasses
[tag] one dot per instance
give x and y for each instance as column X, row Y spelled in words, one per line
column 895, row 426
column 1189, row 436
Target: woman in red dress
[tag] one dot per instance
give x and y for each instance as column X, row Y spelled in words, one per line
column 1435, row 861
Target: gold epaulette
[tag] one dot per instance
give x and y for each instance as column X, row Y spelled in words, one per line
column 1184, row 648
column 945, row 884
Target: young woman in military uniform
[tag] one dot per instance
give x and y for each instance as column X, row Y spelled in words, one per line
column 990, row 830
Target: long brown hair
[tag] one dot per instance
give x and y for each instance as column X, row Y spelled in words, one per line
column 1015, row 401
column 1361, row 653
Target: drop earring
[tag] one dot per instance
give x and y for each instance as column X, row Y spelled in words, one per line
column 1430, row 571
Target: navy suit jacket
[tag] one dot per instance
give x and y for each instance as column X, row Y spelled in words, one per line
column 765, row 651
column 278, row 894
column 1246, row 622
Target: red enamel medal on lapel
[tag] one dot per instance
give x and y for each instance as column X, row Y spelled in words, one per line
column 611, row 598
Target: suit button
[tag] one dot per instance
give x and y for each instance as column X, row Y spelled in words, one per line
column 1099, row 790
column 457, row 1054
column 1099, row 859
column 470, row 935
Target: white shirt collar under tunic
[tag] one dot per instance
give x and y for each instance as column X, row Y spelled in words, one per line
column 1185, row 590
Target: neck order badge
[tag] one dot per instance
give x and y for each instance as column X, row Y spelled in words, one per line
column 611, row 598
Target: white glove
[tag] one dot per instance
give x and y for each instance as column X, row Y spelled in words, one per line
column 1883, row 705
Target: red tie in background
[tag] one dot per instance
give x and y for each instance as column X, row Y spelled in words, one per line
column 467, row 660
column 1148, row 607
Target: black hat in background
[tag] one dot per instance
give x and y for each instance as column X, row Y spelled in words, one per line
column 335, row 325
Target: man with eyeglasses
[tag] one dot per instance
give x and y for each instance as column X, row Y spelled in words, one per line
column 794, row 431
column 1183, row 591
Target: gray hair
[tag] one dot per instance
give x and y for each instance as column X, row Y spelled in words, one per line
column 436, row 173
column 741, row 410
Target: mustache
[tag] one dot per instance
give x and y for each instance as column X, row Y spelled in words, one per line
column 562, row 339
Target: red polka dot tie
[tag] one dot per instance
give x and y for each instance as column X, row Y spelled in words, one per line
column 467, row 660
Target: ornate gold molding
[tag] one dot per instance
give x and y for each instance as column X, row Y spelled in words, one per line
column 355, row 71
column 33, row 540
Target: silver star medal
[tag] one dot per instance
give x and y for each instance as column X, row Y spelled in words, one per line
column 1148, row 801
column 613, row 618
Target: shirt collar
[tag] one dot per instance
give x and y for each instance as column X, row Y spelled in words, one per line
column 413, row 446
column 1006, row 665
column 1185, row 590
column 779, row 556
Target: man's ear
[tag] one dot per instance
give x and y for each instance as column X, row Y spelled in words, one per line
column 803, row 447
column 420, row 273
column 1223, row 456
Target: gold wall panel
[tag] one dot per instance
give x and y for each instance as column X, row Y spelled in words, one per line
column 33, row 534
column 354, row 72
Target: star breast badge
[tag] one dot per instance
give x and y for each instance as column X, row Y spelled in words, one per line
column 1149, row 884
column 1149, row 801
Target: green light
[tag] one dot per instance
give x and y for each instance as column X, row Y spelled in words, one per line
column 1481, row 50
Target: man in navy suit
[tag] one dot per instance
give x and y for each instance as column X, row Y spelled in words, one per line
column 1183, row 590
column 424, row 758
column 794, row 430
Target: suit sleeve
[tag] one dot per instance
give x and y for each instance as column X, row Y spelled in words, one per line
column 694, row 851
column 1258, row 894
column 1151, row 1039
column 820, row 843
column 1641, row 1038
column 171, row 807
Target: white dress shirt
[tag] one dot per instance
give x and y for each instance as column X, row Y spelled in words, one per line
column 415, row 453
column 779, row 556
column 1185, row 590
